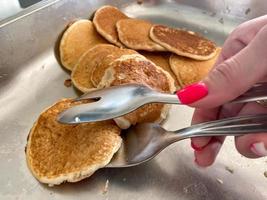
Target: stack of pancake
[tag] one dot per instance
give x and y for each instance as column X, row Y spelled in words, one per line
column 113, row 49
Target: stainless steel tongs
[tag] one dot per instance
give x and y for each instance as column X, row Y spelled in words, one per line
column 116, row 101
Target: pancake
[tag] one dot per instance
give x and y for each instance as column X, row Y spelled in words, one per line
column 161, row 59
column 99, row 70
column 134, row 33
column 82, row 72
column 105, row 20
column 136, row 69
column 58, row 153
column 183, row 43
column 78, row 38
column 189, row 71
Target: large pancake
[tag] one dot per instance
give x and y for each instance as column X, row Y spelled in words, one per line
column 161, row 59
column 82, row 72
column 105, row 20
column 183, row 43
column 136, row 69
column 99, row 70
column 134, row 33
column 78, row 38
column 190, row 71
column 57, row 153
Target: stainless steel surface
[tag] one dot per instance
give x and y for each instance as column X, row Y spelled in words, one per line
column 256, row 93
column 9, row 8
column 116, row 101
column 143, row 142
column 31, row 80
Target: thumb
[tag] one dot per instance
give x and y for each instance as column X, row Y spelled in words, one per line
column 237, row 74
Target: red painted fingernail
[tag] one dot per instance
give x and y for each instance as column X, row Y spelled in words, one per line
column 196, row 148
column 192, row 93
column 258, row 149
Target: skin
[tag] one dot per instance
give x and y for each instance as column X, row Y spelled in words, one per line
column 242, row 63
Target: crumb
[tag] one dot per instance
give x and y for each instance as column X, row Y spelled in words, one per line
column 247, row 11
column 221, row 20
column 105, row 189
column 228, row 10
column 50, row 193
column 43, row 66
column 68, row 83
column 124, row 179
column 212, row 14
column 139, row 2
column 229, row 169
column 219, row 180
column 265, row 174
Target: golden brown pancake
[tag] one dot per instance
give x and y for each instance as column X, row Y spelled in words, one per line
column 57, row 152
column 105, row 20
column 136, row 69
column 78, row 38
column 99, row 70
column 190, row 71
column 183, row 43
column 161, row 59
column 134, row 33
column 82, row 72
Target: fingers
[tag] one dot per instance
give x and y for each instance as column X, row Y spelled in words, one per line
column 206, row 156
column 199, row 116
column 241, row 37
column 253, row 145
column 207, row 148
column 237, row 74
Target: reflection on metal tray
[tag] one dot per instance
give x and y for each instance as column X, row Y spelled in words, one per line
column 31, row 79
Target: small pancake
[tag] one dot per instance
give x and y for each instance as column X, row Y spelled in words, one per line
column 134, row 33
column 161, row 59
column 136, row 69
column 190, row 71
column 183, row 43
column 99, row 70
column 105, row 20
column 82, row 72
column 57, row 152
column 78, row 38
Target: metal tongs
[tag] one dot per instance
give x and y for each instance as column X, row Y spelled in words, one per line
column 116, row 101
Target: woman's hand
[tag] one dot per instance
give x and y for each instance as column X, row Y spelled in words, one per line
column 242, row 63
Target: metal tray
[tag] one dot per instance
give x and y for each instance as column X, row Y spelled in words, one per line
column 31, row 80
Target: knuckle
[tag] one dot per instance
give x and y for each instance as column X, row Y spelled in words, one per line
column 229, row 72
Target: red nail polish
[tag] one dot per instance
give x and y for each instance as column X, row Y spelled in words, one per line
column 195, row 147
column 192, row 93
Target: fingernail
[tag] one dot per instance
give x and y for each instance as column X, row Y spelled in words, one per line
column 216, row 146
column 259, row 149
column 192, row 93
column 196, row 148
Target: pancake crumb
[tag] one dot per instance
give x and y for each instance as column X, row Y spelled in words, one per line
column 229, row 169
column 68, row 83
column 247, row 11
column 265, row 174
column 221, row 20
column 105, row 189
column 219, row 180
column 139, row 2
